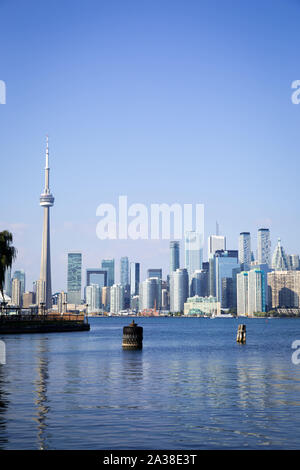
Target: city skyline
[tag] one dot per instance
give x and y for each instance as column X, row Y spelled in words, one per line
column 165, row 272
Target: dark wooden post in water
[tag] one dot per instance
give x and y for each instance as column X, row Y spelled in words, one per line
column 241, row 334
column 132, row 336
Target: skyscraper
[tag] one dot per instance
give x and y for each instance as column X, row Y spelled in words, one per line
column 74, row 278
column 116, row 298
column 46, row 201
column 179, row 290
column 7, row 282
column 124, row 271
column 93, row 298
column 16, row 296
column 150, row 293
column 40, row 293
column 294, row 262
column 154, row 272
column 193, row 249
column 199, row 283
column 109, row 266
column 174, row 255
column 106, row 298
column 245, row 249
column 62, row 302
column 20, row 274
column 215, row 242
column 134, row 278
column 280, row 261
column 256, row 291
column 226, row 266
column 264, row 246
column 242, row 293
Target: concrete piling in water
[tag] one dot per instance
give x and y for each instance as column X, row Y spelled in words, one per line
column 132, row 336
column 241, row 334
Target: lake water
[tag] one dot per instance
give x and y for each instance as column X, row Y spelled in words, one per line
column 191, row 387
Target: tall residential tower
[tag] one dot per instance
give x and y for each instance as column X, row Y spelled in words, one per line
column 264, row 246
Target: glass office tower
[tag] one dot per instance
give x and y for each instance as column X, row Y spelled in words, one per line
column 109, row 266
column 174, row 255
column 74, row 278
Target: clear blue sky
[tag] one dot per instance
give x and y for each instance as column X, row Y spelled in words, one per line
column 184, row 101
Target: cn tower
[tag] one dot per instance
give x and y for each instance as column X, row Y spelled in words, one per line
column 46, row 201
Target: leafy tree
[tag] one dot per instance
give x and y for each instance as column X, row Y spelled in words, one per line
column 7, row 255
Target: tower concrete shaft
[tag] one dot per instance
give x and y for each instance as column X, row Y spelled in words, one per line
column 46, row 201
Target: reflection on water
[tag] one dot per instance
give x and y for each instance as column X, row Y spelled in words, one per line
column 190, row 387
column 41, row 401
column 132, row 366
column 3, row 405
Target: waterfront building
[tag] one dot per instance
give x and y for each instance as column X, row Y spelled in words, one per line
column 197, row 305
column 174, row 255
column 109, row 266
column 266, row 269
column 264, row 246
column 280, row 261
column 242, row 293
column 227, row 293
column 62, row 302
column 116, row 298
column 284, row 289
column 134, row 303
column 106, row 298
column 40, row 292
column 212, row 277
column 20, row 274
column 216, row 242
column 251, row 292
column 16, row 295
column 74, row 278
column 7, row 282
column 179, row 290
column 46, row 201
column 199, row 283
column 226, row 266
column 193, row 250
column 124, row 271
column 294, row 262
column 55, row 298
column 150, row 294
column 244, row 249
column 134, row 278
column 154, row 272
column 256, row 291
column 93, row 298
column 28, row 299
column 165, row 299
